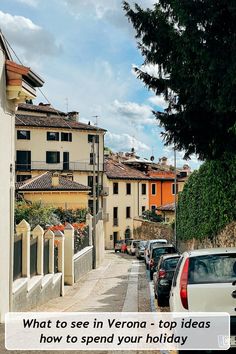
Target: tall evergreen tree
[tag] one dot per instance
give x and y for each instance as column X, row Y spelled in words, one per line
column 193, row 45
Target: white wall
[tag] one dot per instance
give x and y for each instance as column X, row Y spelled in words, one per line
column 7, row 125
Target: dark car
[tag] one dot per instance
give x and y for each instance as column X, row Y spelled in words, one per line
column 140, row 249
column 155, row 255
column 163, row 277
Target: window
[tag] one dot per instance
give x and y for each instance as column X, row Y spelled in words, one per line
column 52, row 157
column 23, row 160
column 21, row 178
column 90, row 181
column 153, row 189
column 128, row 212
column 91, row 158
column 90, row 138
column 115, row 188
column 66, row 136
column 23, row 134
column 143, row 209
column 53, row 136
column 115, row 216
column 144, row 189
column 173, row 188
column 128, row 188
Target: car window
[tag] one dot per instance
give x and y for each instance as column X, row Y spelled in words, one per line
column 177, row 271
column 157, row 252
column 171, row 263
column 216, row 268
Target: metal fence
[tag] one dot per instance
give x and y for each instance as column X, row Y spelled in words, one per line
column 55, row 259
column 46, row 257
column 81, row 239
column 33, row 256
column 17, row 268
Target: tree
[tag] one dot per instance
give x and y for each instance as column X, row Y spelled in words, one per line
column 193, row 46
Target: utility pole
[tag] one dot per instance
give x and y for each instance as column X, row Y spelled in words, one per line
column 94, row 204
column 175, row 184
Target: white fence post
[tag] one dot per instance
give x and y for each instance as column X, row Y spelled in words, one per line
column 38, row 233
column 24, row 228
column 49, row 235
column 69, row 255
column 59, row 236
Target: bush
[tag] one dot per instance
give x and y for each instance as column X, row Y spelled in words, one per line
column 207, row 202
column 71, row 215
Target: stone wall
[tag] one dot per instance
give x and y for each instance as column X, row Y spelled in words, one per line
column 226, row 238
column 147, row 230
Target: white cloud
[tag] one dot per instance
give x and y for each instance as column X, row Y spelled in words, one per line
column 30, row 41
column 159, row 101
column 32, row 3
column 138, row 114
column 124, row 142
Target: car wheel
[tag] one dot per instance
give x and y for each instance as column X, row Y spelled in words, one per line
column 161, row 300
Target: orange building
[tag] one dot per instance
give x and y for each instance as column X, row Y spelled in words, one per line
column 161, row 188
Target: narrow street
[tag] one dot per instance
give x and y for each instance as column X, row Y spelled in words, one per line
column 120, row 284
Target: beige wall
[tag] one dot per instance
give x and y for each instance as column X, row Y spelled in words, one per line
column 7, row 123
column 121, row 200
column 67, row 200
column 79, row 149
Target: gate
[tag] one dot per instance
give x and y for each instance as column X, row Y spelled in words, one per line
column 33, row 256
column 46, row 257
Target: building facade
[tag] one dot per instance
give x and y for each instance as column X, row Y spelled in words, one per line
column 50, row 140
column 17, row 83
column 126, row 197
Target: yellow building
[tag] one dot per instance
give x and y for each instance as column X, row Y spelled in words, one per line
column 50, row 140
column 54, row 190
column 127, row 197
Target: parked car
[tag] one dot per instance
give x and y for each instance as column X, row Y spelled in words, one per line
column 156, row 252
column 132, row 248
column 148, row 246
column 205, row 280
column 140, row 249
column 128, row 244
column 163, row 277
column 118, row 245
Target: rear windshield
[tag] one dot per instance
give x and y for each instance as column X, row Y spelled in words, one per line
column 171, row 263
column 157, row 252
column 217, row 268
column 135, row 243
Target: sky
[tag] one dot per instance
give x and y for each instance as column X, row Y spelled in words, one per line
column 85, row 51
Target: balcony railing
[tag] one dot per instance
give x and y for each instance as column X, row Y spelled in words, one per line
column 115, row 222
column 69, row 166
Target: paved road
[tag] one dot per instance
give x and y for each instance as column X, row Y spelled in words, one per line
column 120, row 284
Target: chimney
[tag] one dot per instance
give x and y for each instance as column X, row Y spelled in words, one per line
column 44, row 104
column 55, row 179
column 163, row 161
column 73, row 116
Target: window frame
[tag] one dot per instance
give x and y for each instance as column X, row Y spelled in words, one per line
column 27, row 136
column 115, row 188
column 56, row 136
column 144, row 187
column 128, row 189
column 128, row 212
column 153, row 185
column 69, row 134
column 53, row 152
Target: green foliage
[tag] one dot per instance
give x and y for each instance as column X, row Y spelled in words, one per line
column 208, row 200
column 71, row 215
column 193, row 45
column 37, row 213
column 150, row 215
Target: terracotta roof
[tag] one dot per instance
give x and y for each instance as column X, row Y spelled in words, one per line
column 52, row 122
column 117, row 170
column 43, row 108
column 43, row 182
column 167, row 207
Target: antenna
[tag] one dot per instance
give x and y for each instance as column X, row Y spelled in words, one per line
column 96, row 120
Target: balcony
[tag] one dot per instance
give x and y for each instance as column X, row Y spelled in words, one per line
column 68, row 166
column 115, row 222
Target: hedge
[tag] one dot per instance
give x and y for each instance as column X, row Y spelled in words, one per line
column 208, row 201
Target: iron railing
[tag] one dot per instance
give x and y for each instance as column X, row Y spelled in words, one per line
column 17, row 265
column 68, row 166
column 33, row 256
column 81, row 239
column 46, row 257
